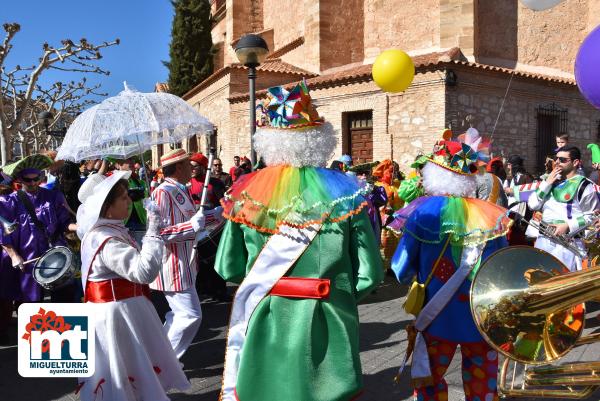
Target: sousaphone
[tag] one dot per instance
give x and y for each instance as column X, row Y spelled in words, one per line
column 530, row 308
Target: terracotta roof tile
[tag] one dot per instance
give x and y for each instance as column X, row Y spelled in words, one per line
column 519, row 73
column 362, row 73
column 438, row 59
column 276, row 65
column 294, row 44
column 271, row 65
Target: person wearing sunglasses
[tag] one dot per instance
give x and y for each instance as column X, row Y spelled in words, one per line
column 42, row 221
column 217, row 172
column 567, row 201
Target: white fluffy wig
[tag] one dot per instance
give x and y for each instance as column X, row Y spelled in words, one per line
column 298, row 147
column 438, row 181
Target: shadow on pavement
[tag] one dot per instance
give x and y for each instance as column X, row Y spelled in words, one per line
column 386, row 291
column 380, row 386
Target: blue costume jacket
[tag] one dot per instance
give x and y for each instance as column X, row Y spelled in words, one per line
column 419, row 248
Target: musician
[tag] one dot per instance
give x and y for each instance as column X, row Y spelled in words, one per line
column 209, row 284
column 301, row 342
column 9, row 282
column 43, row 219
column 445, row 234
column 567, row 201
column 134, row 358
column 177, row 276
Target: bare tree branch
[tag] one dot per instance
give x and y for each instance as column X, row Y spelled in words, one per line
column 26, row 98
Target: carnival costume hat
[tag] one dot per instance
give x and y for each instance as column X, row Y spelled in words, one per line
column 92, row 194
column 200, row 159
column 449, row 171
column 28, row 165
column 174, row 156
column 454, row 156
column 595, row 149
column 480, row 144
column 295, row 188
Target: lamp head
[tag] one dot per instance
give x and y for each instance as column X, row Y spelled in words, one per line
column 251, row 50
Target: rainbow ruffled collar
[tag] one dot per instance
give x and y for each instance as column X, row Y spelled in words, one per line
column 295, row 196
column 469, row 221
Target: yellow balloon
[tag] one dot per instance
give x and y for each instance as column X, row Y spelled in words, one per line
column 393, row 70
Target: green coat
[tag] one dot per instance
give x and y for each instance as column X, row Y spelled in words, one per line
column 305, row 349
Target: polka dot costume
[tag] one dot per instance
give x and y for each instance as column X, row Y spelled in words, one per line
column 479, row 370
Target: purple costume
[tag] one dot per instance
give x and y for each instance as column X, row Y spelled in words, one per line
column 28, row 241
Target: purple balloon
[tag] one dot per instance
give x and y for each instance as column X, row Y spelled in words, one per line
column 587, row 68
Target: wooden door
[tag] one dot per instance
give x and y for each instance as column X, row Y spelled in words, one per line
column 361, row 145
column 359, row 136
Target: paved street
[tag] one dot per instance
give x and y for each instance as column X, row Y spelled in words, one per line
column 382, row 342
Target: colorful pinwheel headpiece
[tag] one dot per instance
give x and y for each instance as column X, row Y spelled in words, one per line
column 480, row 144
column 454, row 156
column 285, row 109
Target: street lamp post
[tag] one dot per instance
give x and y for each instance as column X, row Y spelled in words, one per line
column 251, row 50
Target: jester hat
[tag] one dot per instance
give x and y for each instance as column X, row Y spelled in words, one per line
column 285, row 109
column 595, row 149
column 454, row 156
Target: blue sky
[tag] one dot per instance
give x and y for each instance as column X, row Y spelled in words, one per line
column 143, row 26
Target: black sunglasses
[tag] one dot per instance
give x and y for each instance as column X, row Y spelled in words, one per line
column 563, row 159
column 30, row 179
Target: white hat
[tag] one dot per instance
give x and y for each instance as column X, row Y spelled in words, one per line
column 92, row 194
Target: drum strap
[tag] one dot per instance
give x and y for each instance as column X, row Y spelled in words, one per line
column 31, row 212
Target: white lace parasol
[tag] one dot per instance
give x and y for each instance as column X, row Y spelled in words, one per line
column 131, row 123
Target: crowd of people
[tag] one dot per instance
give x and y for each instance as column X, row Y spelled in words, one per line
column 43, row 203
column 304, row 243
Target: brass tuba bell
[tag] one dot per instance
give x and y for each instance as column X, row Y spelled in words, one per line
column 530, row 308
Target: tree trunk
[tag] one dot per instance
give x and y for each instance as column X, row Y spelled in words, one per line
column 3, row 144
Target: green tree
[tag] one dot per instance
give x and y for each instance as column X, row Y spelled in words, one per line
column 191, row 49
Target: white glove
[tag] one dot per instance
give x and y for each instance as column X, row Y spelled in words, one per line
column 218, row 213
column 17, row 262
column 153, row 216
column 198, row 220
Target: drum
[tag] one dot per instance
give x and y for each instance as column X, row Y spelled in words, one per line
column 55, row 268
column 207, row 246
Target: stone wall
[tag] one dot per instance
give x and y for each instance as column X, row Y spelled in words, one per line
column 416, row 118
column 285, row 18
column 457, row 25
column 480, row 93
column 405, row 24
column 496, row 31
column 403, row 125
column 510, row 34
column 551, row 38
column 341, row 33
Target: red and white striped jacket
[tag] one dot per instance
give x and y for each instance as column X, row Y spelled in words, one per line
column 176, row 207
